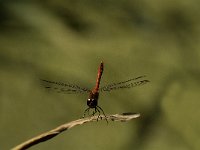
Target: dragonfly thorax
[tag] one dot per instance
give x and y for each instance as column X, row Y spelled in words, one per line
column 92, row 101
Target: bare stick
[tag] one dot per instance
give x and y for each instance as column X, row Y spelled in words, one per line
column 52, row 133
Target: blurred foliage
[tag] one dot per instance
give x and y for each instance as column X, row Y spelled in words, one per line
column 65, row 40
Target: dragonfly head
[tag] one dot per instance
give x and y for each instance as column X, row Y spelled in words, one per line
column 92, row 101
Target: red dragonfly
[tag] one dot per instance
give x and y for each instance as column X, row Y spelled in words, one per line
column 92, row 101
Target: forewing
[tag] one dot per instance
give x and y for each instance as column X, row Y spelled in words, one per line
column 64, row 88
column 125, row 84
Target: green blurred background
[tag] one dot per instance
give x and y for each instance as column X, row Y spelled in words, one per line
column 65, row 40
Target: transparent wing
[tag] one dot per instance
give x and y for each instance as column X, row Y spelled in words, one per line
column 125, row 84
column 65, row 88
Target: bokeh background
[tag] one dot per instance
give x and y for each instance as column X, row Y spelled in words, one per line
column 65, row 40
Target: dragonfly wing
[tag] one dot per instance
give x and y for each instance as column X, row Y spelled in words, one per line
column 125, row 84
column 65, row 88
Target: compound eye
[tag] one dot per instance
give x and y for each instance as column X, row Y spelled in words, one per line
column 90, row 100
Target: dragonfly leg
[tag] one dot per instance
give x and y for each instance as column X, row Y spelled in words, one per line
column 86, row 111
column 99, row 113
column 94, row 112
column 97, row 109
column 102, row 112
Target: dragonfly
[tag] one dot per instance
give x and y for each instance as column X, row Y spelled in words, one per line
column 92, row 101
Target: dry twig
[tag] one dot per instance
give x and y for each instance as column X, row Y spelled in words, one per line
column 52, row 133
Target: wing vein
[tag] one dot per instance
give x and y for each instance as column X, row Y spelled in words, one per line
column 125, row 84
column 65, row 87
